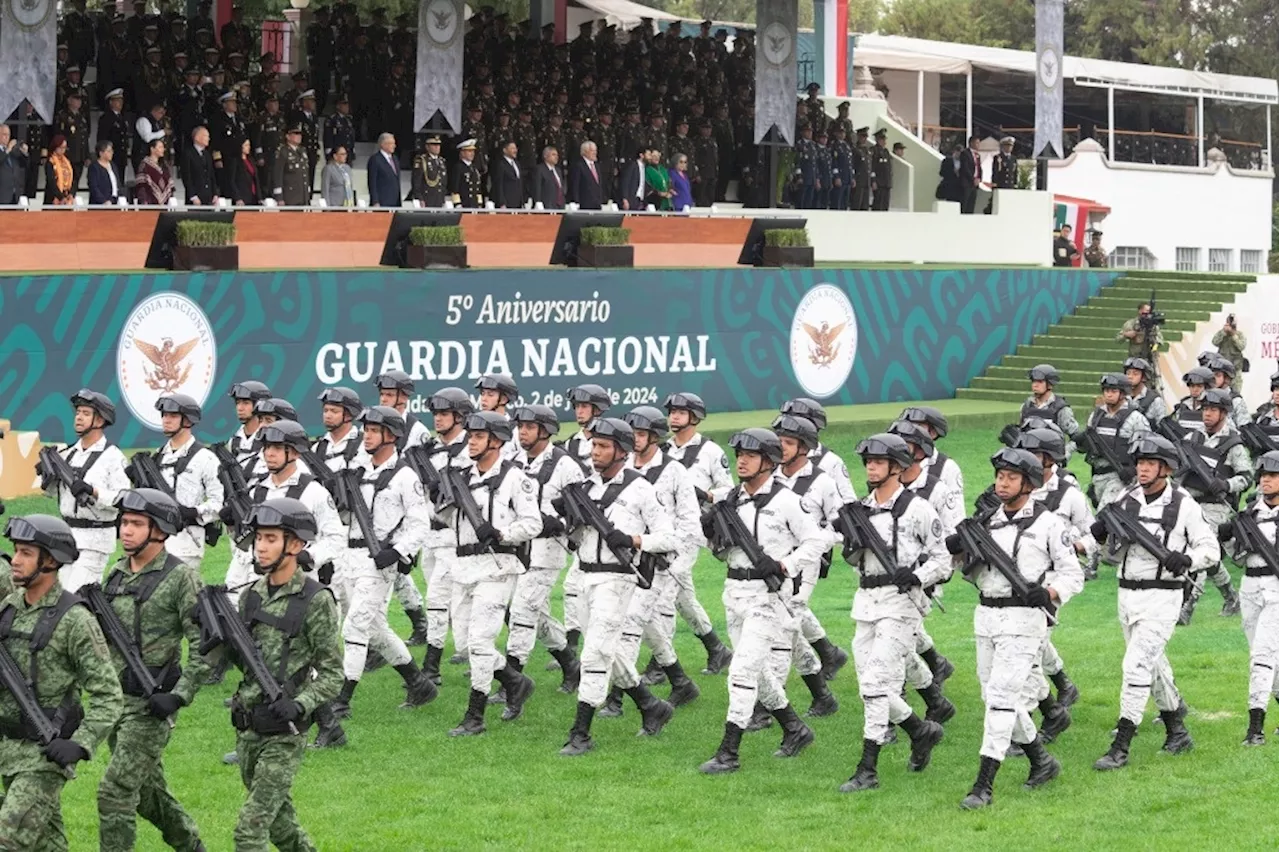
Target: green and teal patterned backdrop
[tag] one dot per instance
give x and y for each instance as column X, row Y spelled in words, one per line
column 726, row 334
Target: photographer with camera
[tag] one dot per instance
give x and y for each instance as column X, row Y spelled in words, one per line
column 1231, row 341
column 1144, row 338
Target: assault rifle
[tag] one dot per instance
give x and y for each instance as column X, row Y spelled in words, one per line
column 114, row 630
column 231, row 475
column 1095, row 445
column 360, row 510
column 54, row 464
column 980, row 547
column 1258, row 439
column 1195, row 463
column 220, row 624
column 1126, row 527
column 16, row 682
column 855, row 525
column 418, row 459
column 334, row 484
column 581, row 511
column 1245, row 530
column 730, row 531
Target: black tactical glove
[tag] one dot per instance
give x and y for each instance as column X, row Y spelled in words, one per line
column 557, row 506
column 1177, row 564
column 325, row 574
column 65, row 752
column 305, row 560
column 82, row 491
column 1098, row 530
column 708, row 526
column 387, row 557
column 433, row 492
column 1038, row 596
column 953, row 545
column 703, row 496
column 403, row 567
column 1217, row 487
column 286, row 709
column 771, row 566
column 189, row 516
column 618, row 539
column 1226, row 531
column 162, row 705
column 487, row 533
column 227, row 517
column 905, row 578
column 551, row 526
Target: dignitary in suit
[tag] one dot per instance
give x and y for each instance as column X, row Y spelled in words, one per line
column 584, row 179
column 506, row 180
column 384, row 174
column 548, row 184
column 197, row 169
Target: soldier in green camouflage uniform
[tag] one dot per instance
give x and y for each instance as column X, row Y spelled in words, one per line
column 1137, row 339
column 154, row 595
column 1231, row 341
column 305, row 656
column 72, row 659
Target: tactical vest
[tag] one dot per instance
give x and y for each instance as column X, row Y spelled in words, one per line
column 1048, row 412
column 69, row 713
column 290, row 624
column 293, row 492
column 183, row 462
column 89, row 461
column 548, row 468
column 1143, row 403
column 1216, row 458
column 802, row 484
column 611, row 493
column 1188, row 418
column 167, row 674
column 1052, row 500
column 654, row 473
column 1023, row 524
column 1107, row 428
column 926, row 490
column 348, row 451
column 1168, row 520
column 899, row 509
column 379, row 484
column 492, row 484
column 690, row 458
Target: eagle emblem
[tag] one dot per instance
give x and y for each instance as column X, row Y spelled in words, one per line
column 441, row 19
column 824, row 348
column 169, row 373
column 777, row 44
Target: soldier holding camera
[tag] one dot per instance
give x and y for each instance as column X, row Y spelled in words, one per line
column 1231, row 341
column 1144, row 337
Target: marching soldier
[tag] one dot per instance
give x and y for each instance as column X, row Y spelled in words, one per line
column 1011, row 629
column 707, row 468
column 1258, row 595
column 821, row 456
column 791, row 542
column 394, row 389
column 1225, row 376
column 246, row 443
column 191, row 472
column 1140, row 373
column 490, row 556
column 1187, row 410
column 1113, row 423
column 467, row 183
column 340, row 449
column 1151, row 592
column 294, row 625
column 53, row 637
column 498, row 392
column 1227, row 458
column 430, row 176
column 888, row 606
column 88, row 505
column 639, row 523
column 1267, row 416
column 291, row 177
column 1044, row 403
column 153, row 593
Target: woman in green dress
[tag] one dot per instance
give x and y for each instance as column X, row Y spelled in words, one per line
column 657, row 182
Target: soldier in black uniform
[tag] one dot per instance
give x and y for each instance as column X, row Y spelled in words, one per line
column 467, row 184
column 291, row 179
column 338, row 130
column 841, row 167
column 554, row 135
column 525, row 135
column 152, row 82
column 574, row 136
column 74, row 124
column 806, row 165
column 655, row 136
column 188, row 107
column 115, row 127
column 268, row 135
column 1004, row 166
column 825, row 169
column 681, row 143
column 320, row 55
column 862, row 171
column 473, row 128
column 881, row 171
column 117, row 63
column 706, row 165
column 226, row 135
column 430, row 179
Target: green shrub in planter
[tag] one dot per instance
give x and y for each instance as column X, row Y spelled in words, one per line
column 193, row 233
column 444, row 235
column 605, row 236
column 786, row 237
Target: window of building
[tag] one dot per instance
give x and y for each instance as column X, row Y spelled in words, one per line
column 1250, row 260
column 1132, row 257
column 1219, row 260
column 1188, row 259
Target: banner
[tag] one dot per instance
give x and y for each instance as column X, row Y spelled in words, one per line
column 776, row 24
column 1048, row 78
column 28, row 56
column 1255, row 315
column 744, row 339
column 439, row 79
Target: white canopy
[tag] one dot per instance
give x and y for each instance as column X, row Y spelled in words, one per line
column 916, row 54
column 623, row 13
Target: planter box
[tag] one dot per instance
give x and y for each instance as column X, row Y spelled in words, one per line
column 436, row 257
column 607, row 256
column 787, row 256
column 201, row 258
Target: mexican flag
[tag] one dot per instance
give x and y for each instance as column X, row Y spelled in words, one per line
column 1073, row 212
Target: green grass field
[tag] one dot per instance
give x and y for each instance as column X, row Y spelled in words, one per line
column 403, row 784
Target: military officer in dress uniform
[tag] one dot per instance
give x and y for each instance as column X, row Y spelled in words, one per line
column 339, row 131
column 1004, row 166
column 114, row 127
column 291, row 177
column 305, row 116
column 807, row 164
column 430, row 176
column 268, row 135
column 226, row 134
column 862, row 171
column 706, row 164
column 1094, row 254
column 881, row 171
column 467, row 185
column 73, row 124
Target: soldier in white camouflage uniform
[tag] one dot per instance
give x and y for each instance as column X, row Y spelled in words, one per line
column 938, row 463
column 1112, row 424
column 1140, row 373
column 191, row 471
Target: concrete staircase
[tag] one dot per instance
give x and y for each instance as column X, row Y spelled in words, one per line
column 1083, row 346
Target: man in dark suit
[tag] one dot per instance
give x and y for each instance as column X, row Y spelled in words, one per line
column 584, row 179
column 970, row 175
column 197, row 169
column 507, row 191
column 631, row 185
column 548, row 185
column 103, row 186
column 13, row 165
column 384, row 174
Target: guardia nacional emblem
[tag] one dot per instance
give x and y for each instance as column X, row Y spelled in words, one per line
column 824, row 340
column 777, row 43
column 442, row 21
column 167, row 346
column 28, row 14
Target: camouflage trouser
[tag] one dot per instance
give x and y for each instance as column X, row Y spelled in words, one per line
column 1147, row 618
column 436, row 563
column 31, row 811
column 531, row 614
column 606, row 597
column 1009, row 673
column 407, row 592
column 574, row 607
column 1260, row 614
column 881, row 649
column 1215, row 514
column 481, row 607
column 648, row 615
column 760, row 633
column 268, row 765
column 134, row 784
column 687, row 604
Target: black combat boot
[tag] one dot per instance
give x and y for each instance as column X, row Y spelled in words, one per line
column 833, row 657
column 1068, row 693
column 1044, row 766
column 1177, row 738
column 760, row 719
column 329, row 733
column 796, row 735
column 459, row 658
column 580, row 741
column 1057, row 718
column 864, row 777
column 1254, row 736
column 938, row 708
column 683, row 690
column 653, row 673
column 473, row 720
column 941, row 667
column 373, row 661
column 570, row 669
column 718, row 654
column 612, row 708
column 924, row 736
column 1188, row 609
column 418, row 618
column 726, row 757
column 1118, row 755
column 342, row 704
column 1230, row 600
column 517, row 685
column 654, row 712
column 980, row 795
column 420, row 689
column 824, row 700
column 431, row 664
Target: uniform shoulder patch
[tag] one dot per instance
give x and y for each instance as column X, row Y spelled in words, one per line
column 724, row 461
column 936, row 528
column 526, row 486
column 1066, row 538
